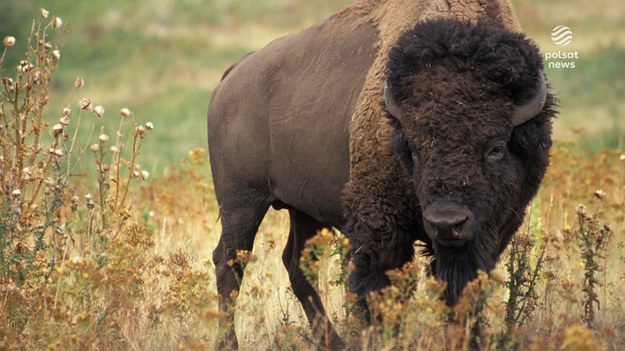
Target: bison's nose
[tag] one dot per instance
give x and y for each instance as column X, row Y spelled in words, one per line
column 448, row 223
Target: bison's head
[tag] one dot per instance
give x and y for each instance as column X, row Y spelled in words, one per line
column 471, row 112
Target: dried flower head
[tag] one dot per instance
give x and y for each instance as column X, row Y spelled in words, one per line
column 16, row 192
column 64, row 121
column 57, row 129
column 56, row 54
column 149, row 126
column 79, row 82
column 58, row 152
column 43, row 13
column 90, row 203
column 145, row 175
column 24, row 66
column 84, row 103
column 95, row 147
column 98, row 111
column 103, row 137
column 124, row 112
column 114, row 149
column 57, row 22
column 9, row 41
column 140, row 131
column 8, row 83
column 600, row 194
column 37, row 76
column 580, row 209
column 66, row 111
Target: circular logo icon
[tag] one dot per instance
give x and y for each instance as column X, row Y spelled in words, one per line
column 562, row 35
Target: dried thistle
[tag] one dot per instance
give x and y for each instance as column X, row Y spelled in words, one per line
column 84, row 103
column 9, row 41
column 57, row 22
column 124, row 112
column 43, row 13
column 593, row 239
column 98, row 111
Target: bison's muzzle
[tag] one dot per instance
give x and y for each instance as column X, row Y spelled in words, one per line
column 449, row 224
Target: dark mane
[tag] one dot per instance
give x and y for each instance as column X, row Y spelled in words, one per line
column 508, row 60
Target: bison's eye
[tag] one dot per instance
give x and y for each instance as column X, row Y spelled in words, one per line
column 415, row 158
column 496, row 152
column 413, row 151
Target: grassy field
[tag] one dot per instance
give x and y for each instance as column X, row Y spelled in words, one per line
column 163, row 59
column 112, row 271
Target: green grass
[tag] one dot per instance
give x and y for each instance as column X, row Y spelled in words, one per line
column 592, row 95
column 162, row 59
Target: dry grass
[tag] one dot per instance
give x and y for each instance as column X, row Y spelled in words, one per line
column 559, row 293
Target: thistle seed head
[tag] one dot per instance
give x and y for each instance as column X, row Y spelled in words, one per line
column 124, row 112
column 9, row 41
column 43, row 13
column 84, row 103
column 57, row 129
column 98, row 110
column 57, row 22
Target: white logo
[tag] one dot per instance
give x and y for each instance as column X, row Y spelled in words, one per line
column 562, row 35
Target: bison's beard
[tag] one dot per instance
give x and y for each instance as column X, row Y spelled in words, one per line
column 458, row 266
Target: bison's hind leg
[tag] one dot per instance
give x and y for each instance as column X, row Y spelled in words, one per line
column 303, row 227
column 240, row 218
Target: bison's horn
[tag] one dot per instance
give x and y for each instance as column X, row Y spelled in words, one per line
column 391, row 105
column 529, row 110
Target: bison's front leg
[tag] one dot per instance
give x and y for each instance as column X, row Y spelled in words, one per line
column 366, row 277
column 373, row 253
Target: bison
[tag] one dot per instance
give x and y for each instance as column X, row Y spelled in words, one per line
column 393, row 121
